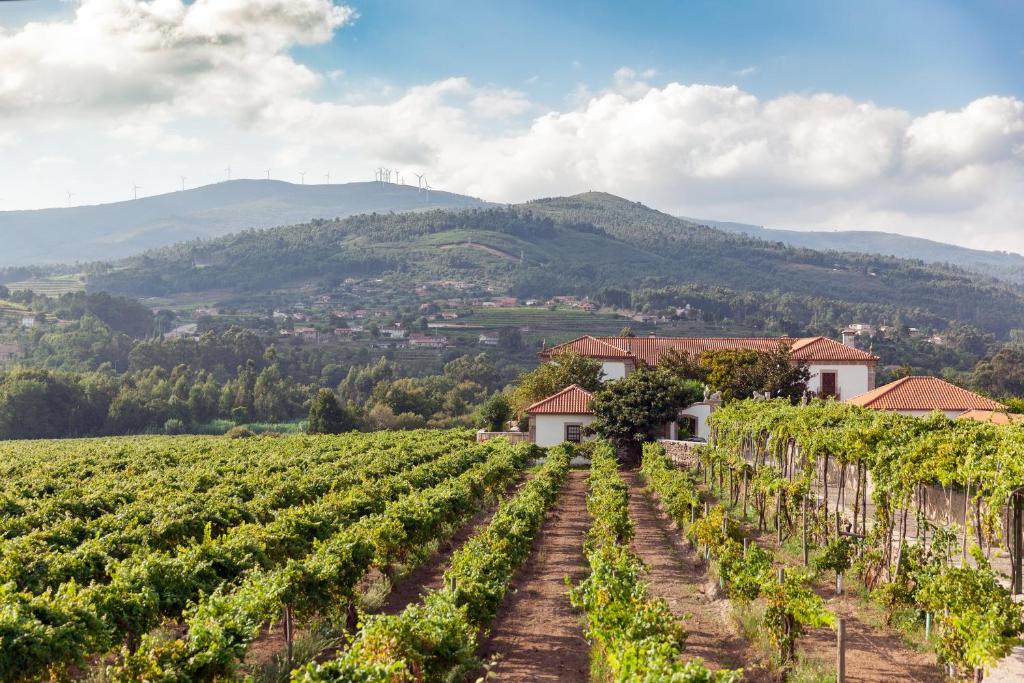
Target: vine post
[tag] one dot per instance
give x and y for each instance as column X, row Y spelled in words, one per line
column 1018, row 541
column 289, row 632
column 840, row 650
column 804, row 540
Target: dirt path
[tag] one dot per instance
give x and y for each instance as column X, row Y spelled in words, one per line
column 537, row 636
column 677, row 575
column 430, row 574
column 873, row 655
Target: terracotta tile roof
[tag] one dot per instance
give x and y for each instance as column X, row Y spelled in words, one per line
column 997, row 417
column 589, row 346
column 825, row 349
column 648, row 350
column 924, row 393
column 573, row 400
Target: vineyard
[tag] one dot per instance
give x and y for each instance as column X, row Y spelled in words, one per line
column 423, row 556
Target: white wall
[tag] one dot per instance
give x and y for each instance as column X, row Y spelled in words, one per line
column 701, row 411
column 550, row 429
column 851, row 380
column 613, row 369
column 951, row 414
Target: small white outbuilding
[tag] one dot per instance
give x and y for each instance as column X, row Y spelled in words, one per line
column 561, row 417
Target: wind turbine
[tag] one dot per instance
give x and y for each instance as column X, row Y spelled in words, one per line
column 182, row 182
column 70, row 195
column 398, row 177
column 268, row 174
column 327, row 177
column 419, row 179
column 135, row 190
column 426, row 186
column 228, row 171
column 302, row 175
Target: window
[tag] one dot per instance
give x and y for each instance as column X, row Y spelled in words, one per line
column 687, row 425
column 829, row 385
column 574, row 433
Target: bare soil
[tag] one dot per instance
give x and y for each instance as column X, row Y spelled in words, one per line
column 537, row 635
column 430, row 574
column 873, row 654
column 676, row 573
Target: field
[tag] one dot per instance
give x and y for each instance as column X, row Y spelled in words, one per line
column 423, row 556
column 563, row 324
column 50, row 286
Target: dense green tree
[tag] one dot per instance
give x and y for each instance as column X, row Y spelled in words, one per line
column 737, row 373
column 630, row 411
column 326, row 416
column 562, row 370
column 495, row 413
column 1002, row 373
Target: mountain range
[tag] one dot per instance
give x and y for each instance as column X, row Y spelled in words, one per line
column 584, row 244
column 222, row 238
column 112, row 231
column 1002, row 264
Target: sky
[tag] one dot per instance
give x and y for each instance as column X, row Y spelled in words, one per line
column 907, row 117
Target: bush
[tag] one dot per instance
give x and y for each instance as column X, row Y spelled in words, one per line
column 239, row 433
column 174, row 426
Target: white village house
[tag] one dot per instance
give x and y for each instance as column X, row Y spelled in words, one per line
column 561, row 417
column 837, row 370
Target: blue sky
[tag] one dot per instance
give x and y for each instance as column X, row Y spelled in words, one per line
column 918, row 55
column 901, row 115
column 915, row 54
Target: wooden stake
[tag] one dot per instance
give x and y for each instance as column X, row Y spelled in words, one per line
column 840, row 650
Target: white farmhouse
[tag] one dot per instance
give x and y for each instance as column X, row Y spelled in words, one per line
column 561, row 417
column 837, row 370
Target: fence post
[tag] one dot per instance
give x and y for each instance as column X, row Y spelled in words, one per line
column 805, row 532
column 841, row 650
column 1018, row 542
column 288, row 631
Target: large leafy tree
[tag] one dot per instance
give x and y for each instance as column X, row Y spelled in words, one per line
column 494, row 413
column 630, row 411
column 326, row 416
column 1002, row 373
column 738, row 373
column 561, row 371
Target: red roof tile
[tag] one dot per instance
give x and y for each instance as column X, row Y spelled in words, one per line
column 924, row 393
column 573, row 400
column 648, row 350
column 994, row 416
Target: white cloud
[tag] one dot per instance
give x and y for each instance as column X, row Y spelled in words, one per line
column 118, row 55
column 746, row 71
column 144, row 90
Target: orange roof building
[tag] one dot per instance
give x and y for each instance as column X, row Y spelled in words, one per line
column 648, row 350
column 573, row 400
column 996, row 417
column 923, row 395
column 561, row 417
column 837, row 370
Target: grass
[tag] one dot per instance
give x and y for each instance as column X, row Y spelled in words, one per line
column 218, row 427
column 322, row 635
column 50, row 286
column 812, row 670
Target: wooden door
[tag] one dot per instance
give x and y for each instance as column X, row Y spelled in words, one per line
column 828, row 385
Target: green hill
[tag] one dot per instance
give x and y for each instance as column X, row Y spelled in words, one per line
column 1002, row 264
column 121, row 229
column 577, row 244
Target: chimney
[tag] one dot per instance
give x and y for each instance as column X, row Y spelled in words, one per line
column 850, row 338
